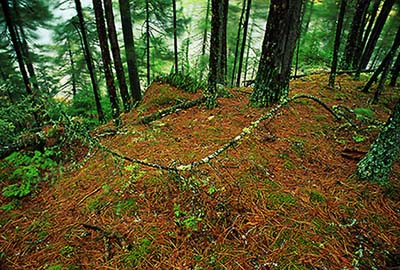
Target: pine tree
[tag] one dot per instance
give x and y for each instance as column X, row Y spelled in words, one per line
column 272, row 79
column 105, row 53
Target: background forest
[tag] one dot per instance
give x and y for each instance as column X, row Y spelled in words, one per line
column 114, row 110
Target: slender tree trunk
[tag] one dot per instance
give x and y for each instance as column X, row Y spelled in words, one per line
column 308, row 19
column 246, row 65
column 385, row 63
column 375, row 167
column 25, row 47
column 283, row 26
column 72, row 63
column 148, row 41
column 16, row 45
column 238, row 41
column 126, row 21
column 395, row 71
column 89, row 61
column 101, row 31
column 204, row 44
column 223, row 50
column 175, row 37
column 215, row 52
column 337, row 43
column 371, row 20
column 354, row 38
column 373, row 39
column 119, row 69
column 243, row 45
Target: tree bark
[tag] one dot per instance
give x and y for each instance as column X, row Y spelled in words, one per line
column 248, row 51
column 148, row 41
column 175, row 37
column 243, row 45
column 238, row 41
column 384, row 65
column 373, row 39
column 133, row 75
column 354, row 39
column 203, row 47
column 89, row 61
column 72, row 63
column 272, row 79
column 16, row 45
column 375, row 167
column 119, row 70
column 105, row 53
column 217, row 62
column 339, row 27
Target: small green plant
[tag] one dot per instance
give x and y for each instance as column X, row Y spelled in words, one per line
column 138, row 253
column 363, row 113
column 28, row 171
column 185, row 81
column 190, row 222
column 67, row 251
column 358, row 138
column 316, row 196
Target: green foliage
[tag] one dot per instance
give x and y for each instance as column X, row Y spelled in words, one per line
column 358, row 138
column 67, row 251
column 363, row 113
column 316, row 196
column 27, row 171
column 190, row 222
column 188, row 82
column 138, row 253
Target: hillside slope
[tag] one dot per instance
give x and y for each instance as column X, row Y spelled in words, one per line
column 282, row 198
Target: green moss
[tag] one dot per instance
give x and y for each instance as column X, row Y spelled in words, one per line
column 281, row 199
column 316, row 196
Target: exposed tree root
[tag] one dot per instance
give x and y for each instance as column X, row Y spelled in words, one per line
column 160, row 114
column 245, row 131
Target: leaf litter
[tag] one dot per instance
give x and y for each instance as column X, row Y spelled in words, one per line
column 284, row 197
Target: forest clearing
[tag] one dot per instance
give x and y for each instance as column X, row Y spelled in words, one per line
column 283, row 197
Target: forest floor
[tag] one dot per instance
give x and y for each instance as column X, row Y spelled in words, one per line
column 284, row 197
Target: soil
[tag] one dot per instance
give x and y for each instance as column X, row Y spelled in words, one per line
column 284, row 197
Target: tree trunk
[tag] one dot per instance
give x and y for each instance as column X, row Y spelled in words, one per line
column 203, row 47
column 119, row 69
column 175, row 37
column 308, row 19
column 215, row 65
column 384, row 65
column 367, row 32
column 105, row 53
column 16, row 45
column 373, row 39
column 238, row 41
column 25, row 47
column 126, row 21
column 354, row 38
column 148, row 41
column 243, row 45
column 272, row 79
column 221, row 75
column 339, row 27
column 395, row 71
column 89, row 61
column 72, row 63
column 375, row 167
column 248, row 51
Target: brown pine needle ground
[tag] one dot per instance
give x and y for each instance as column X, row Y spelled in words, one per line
column 283, row 198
